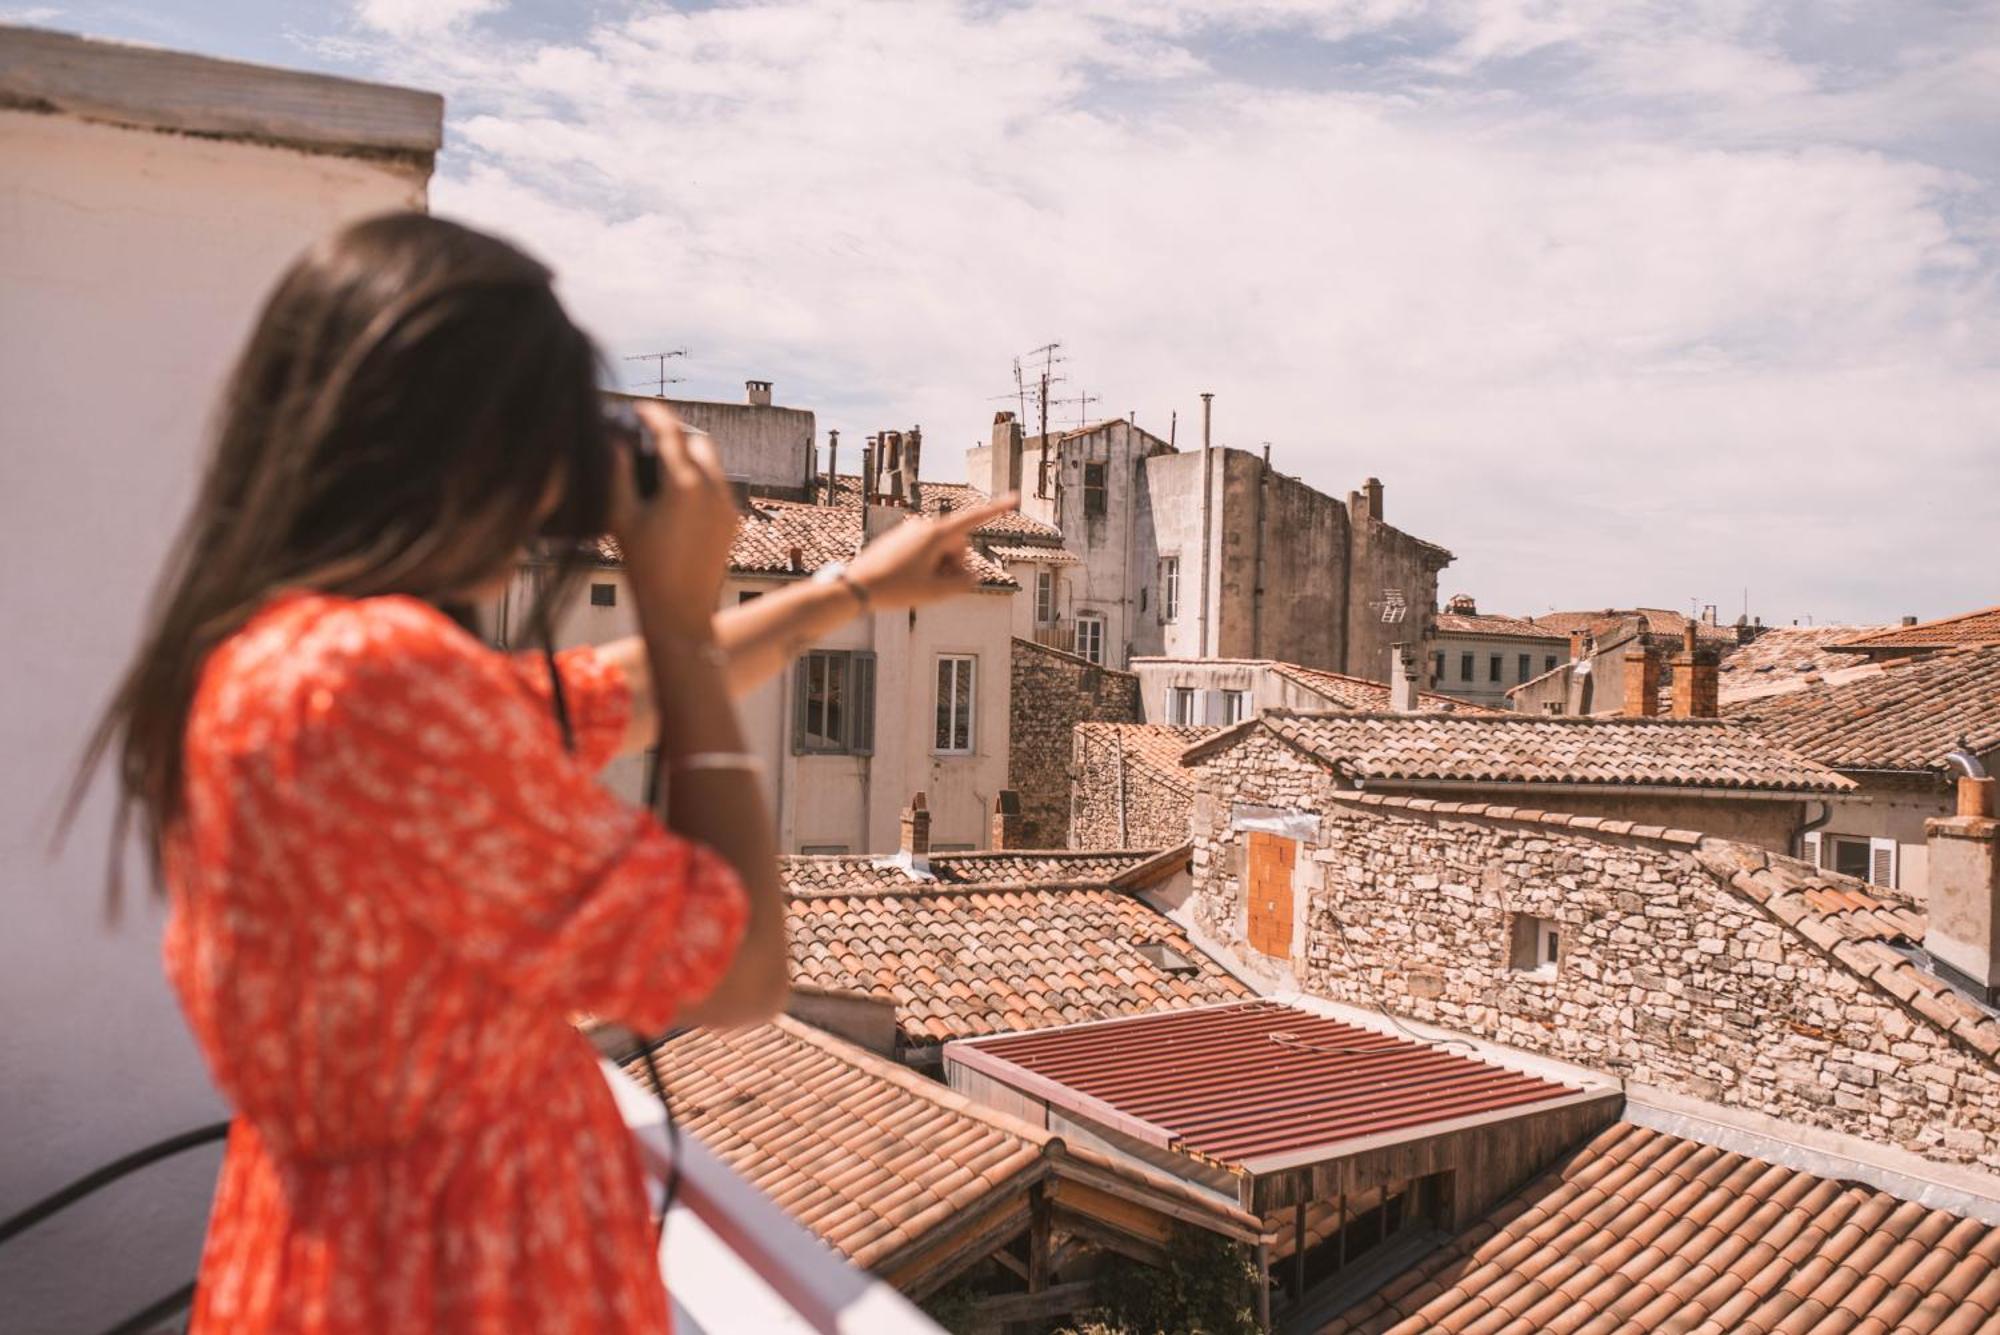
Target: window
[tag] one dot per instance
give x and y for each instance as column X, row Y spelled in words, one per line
column 1437, row 666
column 1864, row 859
column 1090, row 637
column 823, row 850
column 604, row 595
column 1170, row 588
column 1093, row 490
column 748, row 595
column 1536, row 947
column 1180, row 706
column 1165, row 958
column 1493, row 667
column 1465, row 667
column 1045, row 597
column 1235, row 707
column 1522, row 665
column 1549, row 663
column 834, row 703
column 954, row 704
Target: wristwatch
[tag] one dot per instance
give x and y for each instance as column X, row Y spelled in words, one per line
column 835, row 572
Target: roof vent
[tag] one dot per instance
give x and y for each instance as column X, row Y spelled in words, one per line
column 758, row 393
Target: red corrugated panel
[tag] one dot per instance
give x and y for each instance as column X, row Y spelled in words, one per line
column 1239, row 1082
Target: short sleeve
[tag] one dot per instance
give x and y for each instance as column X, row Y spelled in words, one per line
column 420, row 746
column 596, row 692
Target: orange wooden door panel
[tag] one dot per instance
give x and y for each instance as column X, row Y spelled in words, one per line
column 1270, row 890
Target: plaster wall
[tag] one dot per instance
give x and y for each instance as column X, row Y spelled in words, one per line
column 132, row 264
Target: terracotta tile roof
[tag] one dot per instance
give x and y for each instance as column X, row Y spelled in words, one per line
column 959, row 963
column 868, row 1156
column 1785, row 658
column 1644, row 1231
column 1981, row 627
column 1856, row 926
column 1489, row 623
column 769, row 529
column 1238, row 1084
column 1903, row 715
column 806, row 875
column 1154, row 748
column 1360, row 693
column 937, row 497
column 1661, row 623
column 1528, row 749
column 1048, row 555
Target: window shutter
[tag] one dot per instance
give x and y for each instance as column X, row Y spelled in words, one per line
column 1810, row 852
column 861, row 681
column 799, row 687
column 1882, row 862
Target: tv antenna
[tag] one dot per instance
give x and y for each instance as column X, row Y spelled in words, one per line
column 659, row 360
column 1082, row 400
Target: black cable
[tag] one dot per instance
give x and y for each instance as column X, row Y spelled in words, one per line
column 108, row 1174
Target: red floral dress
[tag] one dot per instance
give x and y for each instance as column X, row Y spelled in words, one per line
column 390, row 887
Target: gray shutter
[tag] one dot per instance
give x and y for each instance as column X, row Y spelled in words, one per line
column 799, row 676
column 1810, row 852
column 861, row 702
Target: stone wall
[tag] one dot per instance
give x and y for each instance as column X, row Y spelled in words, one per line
column 1148, row 811
column 1052, row 693
column 1669, row 974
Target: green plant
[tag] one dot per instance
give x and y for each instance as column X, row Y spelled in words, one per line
column 1208, row 1287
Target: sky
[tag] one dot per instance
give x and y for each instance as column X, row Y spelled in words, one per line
column 1627, row 303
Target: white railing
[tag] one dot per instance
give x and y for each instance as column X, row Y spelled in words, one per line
column 735, row 1262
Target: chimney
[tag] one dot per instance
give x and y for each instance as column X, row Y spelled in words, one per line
column 1642, row 683
column 758, row 392
column 1909, row 621
column 832, row 464
column 1963, row 932
column 868, row 472
column 1697, row 683
column 1463, row 604
column 1373, row 486
column 913, row 455
column 916, row 843
column 1403, row 679
column 1006, row 831
column 1207, row 401
column 1576, row 645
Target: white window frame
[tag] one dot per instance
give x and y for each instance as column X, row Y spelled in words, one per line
column 1045, row 596
column 1235, row 707
column 949, row 722
column 1170, row 588
column 1548, row 946
column 1181, row 705
column 1090, row 646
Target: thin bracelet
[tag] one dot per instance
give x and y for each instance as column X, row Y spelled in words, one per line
column 741, row 761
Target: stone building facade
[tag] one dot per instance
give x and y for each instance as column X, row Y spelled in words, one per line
column 1052, row 692
column 1686, row 963
column 1127, row 787
column 1211, row 552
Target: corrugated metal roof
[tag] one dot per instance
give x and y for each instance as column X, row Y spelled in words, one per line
column 1241, row 1083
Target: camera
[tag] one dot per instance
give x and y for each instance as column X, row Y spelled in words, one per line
column 583, row 513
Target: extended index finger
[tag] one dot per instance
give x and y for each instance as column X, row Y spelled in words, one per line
column 960, row 523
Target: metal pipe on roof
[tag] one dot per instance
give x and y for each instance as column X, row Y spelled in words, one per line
column 1207, row 492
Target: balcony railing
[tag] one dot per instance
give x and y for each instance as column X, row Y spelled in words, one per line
column 733, row 1261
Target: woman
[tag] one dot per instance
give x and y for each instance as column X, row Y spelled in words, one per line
column 392, row 875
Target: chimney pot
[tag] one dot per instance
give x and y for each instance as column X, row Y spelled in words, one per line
column 1642, row 684
column 916, row 831
column 1962, row 864
column 1403, row 677
column 1373, row 486
column 758, row 392
column 1006, row 830
column 796, row 559
column 1975, row 796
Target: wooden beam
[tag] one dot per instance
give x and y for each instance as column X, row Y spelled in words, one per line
column 1298, row 1251
column 923, row 1274
column 1038, row 1237
column 1011, row 1263
column 1110, row 1239
column 1057, row 1300
column 1264, row 1287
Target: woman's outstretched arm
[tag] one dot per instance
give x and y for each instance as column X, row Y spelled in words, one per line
column 920, row 561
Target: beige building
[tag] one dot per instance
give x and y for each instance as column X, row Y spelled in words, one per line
column 1210, row 552
column 890, row 704
column 1479, row 656
column 148, row 200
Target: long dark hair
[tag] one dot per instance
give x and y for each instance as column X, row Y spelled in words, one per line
column 410, row 398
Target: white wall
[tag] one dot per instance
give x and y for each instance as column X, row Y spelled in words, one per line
column 131, row 264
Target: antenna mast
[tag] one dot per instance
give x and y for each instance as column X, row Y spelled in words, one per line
column 659, row 360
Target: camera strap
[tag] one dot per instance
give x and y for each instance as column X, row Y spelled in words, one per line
column 647, row 1048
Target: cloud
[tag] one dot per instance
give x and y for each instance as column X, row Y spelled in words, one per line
column 420, row 18
column 1626, row 303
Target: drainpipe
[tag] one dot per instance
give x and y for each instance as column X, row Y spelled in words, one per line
column 1207, row 504
column 1257, row 565
column 1807, row 827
